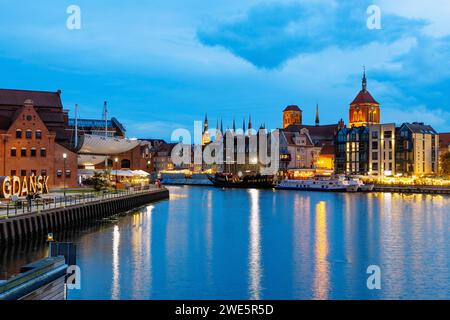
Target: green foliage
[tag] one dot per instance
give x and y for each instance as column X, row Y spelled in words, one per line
column 99, row 181
column 445, row 163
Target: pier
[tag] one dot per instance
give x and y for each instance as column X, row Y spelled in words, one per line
column 72, row 212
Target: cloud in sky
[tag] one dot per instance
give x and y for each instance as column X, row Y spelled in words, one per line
column 271, row 34
column 167, row 63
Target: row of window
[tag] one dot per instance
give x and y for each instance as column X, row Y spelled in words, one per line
column 25, row 173
column 24, row 152
column 29, row 134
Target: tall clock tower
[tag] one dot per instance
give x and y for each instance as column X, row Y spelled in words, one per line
column 364, row 110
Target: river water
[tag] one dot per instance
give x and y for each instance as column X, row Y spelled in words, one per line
column 207, row 243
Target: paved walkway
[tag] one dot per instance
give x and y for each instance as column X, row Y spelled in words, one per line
column 57, row 200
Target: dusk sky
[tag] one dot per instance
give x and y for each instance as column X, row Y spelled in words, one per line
column 163, row 64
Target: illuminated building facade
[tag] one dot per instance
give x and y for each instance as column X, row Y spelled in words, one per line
column 303, row 153
column 34, row 139
column 417, row 150
column 292, row 115
column 364, row 109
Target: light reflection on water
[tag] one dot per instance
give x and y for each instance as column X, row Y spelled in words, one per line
column 255, row 246
column 252, row 244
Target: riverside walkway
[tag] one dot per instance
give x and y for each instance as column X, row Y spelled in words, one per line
column 57, row 200
column 53, row 214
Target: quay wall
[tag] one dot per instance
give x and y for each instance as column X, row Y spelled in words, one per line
column 59, row 219
column 412, row 189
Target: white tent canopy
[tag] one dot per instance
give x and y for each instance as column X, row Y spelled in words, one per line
column 141, row 173
column 99, row 145
column 129, row 173
column 90, row 160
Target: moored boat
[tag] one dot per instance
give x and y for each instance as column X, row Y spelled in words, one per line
column 336, row 184
column 228, row 180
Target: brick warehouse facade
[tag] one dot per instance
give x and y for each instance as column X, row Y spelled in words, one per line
column 33, row 137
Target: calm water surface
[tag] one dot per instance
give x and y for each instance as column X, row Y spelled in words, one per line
column 209, row 243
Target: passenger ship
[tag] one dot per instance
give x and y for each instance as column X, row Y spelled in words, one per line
column 337, row 184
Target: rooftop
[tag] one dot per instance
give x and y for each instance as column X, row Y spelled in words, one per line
column 292, row 108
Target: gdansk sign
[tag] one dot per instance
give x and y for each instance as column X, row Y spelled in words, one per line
column 22, row 187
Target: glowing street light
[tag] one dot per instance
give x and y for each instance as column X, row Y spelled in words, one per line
column 64, row 173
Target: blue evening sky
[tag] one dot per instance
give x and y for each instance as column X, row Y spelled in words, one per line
column 161, row 64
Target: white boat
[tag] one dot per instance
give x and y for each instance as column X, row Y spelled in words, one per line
column 359, row 185
column 339, row 184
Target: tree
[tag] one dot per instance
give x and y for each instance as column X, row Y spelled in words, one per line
column 445, row 163
column 99, row 181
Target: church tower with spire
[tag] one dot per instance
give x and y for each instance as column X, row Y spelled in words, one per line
column 364, row 110
column 317, row 115
column 206, row 137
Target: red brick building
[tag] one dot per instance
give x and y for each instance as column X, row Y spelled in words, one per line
column 33, row 137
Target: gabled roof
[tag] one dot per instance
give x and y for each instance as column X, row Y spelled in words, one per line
column 291, row 135
column 317, row 133
column 47, row 104
column 13, row 97
column 364, row 96
column 420, row 127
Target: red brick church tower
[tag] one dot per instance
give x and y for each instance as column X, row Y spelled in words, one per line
column 364, row 110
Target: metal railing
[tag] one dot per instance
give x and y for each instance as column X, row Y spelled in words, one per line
column 23, row 206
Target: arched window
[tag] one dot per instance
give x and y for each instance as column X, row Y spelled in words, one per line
column 28, row 134
column 18, row 134
column 360, row 116
column 13, row 152
column 125, row 164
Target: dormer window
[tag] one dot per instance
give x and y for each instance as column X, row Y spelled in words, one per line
column 18, row 134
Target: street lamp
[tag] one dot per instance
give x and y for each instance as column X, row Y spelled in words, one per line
column 116, row 161
column 64, row 173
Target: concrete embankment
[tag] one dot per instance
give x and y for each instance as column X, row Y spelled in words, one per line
column 60, row 219
column 412, row 189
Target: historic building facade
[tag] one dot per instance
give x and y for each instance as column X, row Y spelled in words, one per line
column 292, row 115
column 33, row 137
column 364, row 109
column 322, row 138
column 303, row 153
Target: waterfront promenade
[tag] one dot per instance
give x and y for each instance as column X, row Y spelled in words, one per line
column 58, row 200
column 71, row 211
